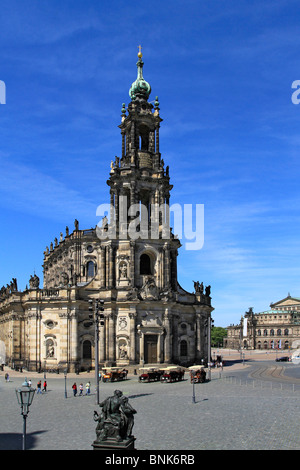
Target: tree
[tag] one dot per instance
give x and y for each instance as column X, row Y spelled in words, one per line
column 217, row 335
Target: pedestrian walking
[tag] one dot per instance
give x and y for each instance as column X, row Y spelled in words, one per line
column 45, row 386
column 6, row 377
column 80, row 389
column 29, row 382
column 74, row 387
column 39, row 387
column 88, row 388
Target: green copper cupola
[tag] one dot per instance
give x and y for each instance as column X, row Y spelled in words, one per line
column 140, row 88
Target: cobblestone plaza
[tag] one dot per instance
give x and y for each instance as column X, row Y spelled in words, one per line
column 254, row 406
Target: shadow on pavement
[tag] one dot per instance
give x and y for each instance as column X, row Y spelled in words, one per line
column 140, row 395
column 13, row 441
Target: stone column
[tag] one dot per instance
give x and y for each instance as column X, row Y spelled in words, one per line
column 73, row 338
column 142, row 352
column 168, row 336
column 111, row 267
column 117, row 209
column 123, row 143
column 132, row 194
column 151, row 142
column 167, row 266
column 107, row 267
column 159, row 348
column 38, row 337
column 112, row 205
column 102, row 267
column 198, row 338
column 132, row 263
column 132, row 141
column 111, row 338
column 127, row 143
column 157, row 139
column 132, row 334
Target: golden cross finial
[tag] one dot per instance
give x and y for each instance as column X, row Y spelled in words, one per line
column 140, row 52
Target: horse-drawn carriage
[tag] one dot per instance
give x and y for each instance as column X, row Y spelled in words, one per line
column 149, row 374
column 112, row 374
column 172, row 374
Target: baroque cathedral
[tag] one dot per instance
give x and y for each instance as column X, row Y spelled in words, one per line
column 148, row 317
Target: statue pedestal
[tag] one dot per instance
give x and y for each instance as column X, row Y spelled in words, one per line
column 112, row 444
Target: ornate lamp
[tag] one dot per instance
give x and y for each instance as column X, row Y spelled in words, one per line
column 25, row 396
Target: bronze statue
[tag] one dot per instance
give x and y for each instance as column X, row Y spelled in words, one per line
column 116, row 420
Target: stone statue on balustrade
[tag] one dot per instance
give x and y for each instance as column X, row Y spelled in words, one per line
column 34, row 282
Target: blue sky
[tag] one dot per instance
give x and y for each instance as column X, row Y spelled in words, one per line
column 230, row 133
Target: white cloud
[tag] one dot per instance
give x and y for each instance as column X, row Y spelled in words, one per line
column 32, row 191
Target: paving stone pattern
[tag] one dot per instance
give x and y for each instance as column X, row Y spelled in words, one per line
column 226, row 415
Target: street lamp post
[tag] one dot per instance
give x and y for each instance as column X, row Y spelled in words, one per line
column 98, row 319
column 193, row 381
column 208, row 347
column 25, row 396
column 65, row 374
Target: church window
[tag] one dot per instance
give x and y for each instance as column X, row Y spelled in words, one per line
column 87, row 350
column 279, row 332
column 90, row 269
column 272, row 332
column 145, row 264
column 183, row 348
column 286, row 332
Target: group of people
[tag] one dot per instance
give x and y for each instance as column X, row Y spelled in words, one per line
column 39, row 386
column 87, row 389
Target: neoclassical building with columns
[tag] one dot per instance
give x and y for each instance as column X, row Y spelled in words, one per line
column 148, row 317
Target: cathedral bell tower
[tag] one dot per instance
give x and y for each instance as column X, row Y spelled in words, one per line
column 150, row 319
column 140, row 193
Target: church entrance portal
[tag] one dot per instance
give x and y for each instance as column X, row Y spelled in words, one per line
column 151, row 349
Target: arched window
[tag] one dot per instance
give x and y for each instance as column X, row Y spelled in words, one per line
column 279, row 332
column 144, row 138
column 272, row 332
column 258, row 332
column 90, row 269
column 183, row 348
column 87, row 350
column 265, row 332
column 145, row 264
column 286, row 332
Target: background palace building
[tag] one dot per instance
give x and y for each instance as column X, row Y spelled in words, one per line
column 148, row 317
column 277, row 328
